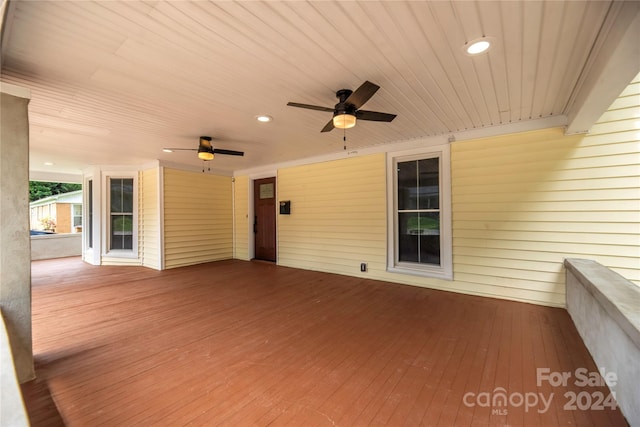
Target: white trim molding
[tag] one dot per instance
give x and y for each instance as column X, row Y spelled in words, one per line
column 445, row 269
column 106, row 214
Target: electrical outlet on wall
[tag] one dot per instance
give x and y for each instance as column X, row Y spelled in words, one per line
column 363, row 267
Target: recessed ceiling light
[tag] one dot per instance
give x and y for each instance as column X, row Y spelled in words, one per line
column 476, row 47
column 48, row 163
column 166, row 150
column 264, row 118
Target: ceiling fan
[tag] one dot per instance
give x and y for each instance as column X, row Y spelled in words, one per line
column 205, row 149
column 347, row 110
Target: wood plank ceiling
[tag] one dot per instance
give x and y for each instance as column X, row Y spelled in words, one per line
column 115, row 82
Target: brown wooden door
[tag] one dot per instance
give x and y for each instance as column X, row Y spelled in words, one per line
column 264, row 223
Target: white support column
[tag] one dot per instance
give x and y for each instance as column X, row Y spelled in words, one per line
column 15, row 243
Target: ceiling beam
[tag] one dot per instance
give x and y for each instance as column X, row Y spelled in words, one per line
column 614, row 62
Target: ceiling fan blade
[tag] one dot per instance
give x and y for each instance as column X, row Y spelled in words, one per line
column 310, row 107
column 374, row 116
column 328, row 127
column 228, row 152
column 362, row 94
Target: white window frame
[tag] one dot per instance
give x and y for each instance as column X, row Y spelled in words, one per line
column 445, row 269
column 89, row 235
column 74, row 216
column 91, row 228
column 106, row 202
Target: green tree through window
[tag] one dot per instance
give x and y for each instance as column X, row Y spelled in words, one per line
column 39, row 189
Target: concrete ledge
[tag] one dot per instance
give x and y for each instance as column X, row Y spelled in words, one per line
column 619, row 297
column 605, row 308
column 56, row 246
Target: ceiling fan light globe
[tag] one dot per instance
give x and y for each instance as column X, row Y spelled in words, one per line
column 344, row 121
column 205, row 155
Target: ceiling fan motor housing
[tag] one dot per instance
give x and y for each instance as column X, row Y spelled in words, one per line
column 343, row 107
column 343, row 94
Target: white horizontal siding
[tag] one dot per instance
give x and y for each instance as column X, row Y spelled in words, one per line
column 149, row 215
column 338, row 215
column 523, row 203
column 198, row 223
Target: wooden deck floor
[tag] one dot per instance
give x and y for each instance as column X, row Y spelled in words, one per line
column 247, row 343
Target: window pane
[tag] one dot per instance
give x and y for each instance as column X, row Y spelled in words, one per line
column 122, row 195
column 121, row 213
column 121, row 242
column 121, row 232
column 407, row 183
column 429, row 238
column 428, row 184
column 419, row 238
column 121, row 224
column 127, row 195
column 407, row 237
column 116, row 195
